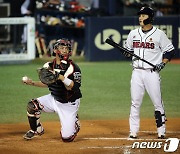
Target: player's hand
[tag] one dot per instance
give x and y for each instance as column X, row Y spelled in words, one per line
column 159, row 67
column 27, row 80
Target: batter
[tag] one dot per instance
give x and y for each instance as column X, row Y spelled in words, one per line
column 151, row 44
column 64, row 97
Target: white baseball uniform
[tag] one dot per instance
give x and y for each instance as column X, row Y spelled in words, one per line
column 150, row 46
column 67, row 112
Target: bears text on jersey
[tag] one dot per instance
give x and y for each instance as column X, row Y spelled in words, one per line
column 147, row 45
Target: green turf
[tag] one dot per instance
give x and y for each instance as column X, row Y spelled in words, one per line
column 105, row 88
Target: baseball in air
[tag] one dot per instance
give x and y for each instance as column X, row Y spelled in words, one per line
column 24, row 79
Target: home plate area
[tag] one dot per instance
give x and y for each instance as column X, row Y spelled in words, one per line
column 95, row 136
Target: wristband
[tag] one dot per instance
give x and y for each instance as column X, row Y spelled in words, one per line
column 67, row 81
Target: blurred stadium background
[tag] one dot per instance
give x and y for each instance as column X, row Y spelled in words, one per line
column 28, row 28
column 26, row 40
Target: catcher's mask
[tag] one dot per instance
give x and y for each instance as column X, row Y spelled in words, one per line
column 148, row 11
column 59, row 45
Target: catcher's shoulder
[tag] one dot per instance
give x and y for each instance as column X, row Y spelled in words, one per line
column 47, row 65
column 75, row 65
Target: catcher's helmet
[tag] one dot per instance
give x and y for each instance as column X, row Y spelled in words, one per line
column 62, row 42
column 148, row 11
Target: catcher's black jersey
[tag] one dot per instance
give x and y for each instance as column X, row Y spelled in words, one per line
column 58, row 90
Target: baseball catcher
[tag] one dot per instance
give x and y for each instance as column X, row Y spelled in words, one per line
column 63, row 79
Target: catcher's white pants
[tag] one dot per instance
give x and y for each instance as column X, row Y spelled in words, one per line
column 67, row 113
column 142, row 80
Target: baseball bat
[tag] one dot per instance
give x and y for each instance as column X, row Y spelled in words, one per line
column 43, row 46
column 38, row 47
column 74, row 50
column 115, row 45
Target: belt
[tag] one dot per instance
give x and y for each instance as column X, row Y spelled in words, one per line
column 142, row 68
column 65, row 102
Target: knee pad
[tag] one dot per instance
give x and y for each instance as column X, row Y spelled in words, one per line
column 158, row 117
column 33, row 108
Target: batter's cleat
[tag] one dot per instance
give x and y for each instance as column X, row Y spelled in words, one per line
column 31, row 134
column 161, row 136
column 133, row 135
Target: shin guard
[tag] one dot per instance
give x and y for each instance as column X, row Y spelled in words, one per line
column 159, row 120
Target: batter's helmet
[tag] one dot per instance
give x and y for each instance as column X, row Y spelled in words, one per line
column 148, row 11
column 62, row 42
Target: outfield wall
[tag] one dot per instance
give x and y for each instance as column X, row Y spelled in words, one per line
column 100, row 28
column 8, row 50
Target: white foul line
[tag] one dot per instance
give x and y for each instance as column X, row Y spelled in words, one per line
column 127, row 138
column 107, row 147
column 119, row 138
column 126, row 149
column 168, row 132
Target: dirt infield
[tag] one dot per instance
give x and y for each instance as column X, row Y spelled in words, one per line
column 95, row 137
column 175, row 61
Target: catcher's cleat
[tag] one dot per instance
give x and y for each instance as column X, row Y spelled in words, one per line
column 31, row 134
column 133, row 135
column 161, row 136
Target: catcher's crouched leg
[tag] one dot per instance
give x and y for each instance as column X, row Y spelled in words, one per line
column 33, row 113
column 72, row 137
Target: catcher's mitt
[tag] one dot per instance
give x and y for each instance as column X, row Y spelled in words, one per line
column 46, row 76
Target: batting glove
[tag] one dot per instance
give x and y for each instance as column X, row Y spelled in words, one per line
column 159, row 67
